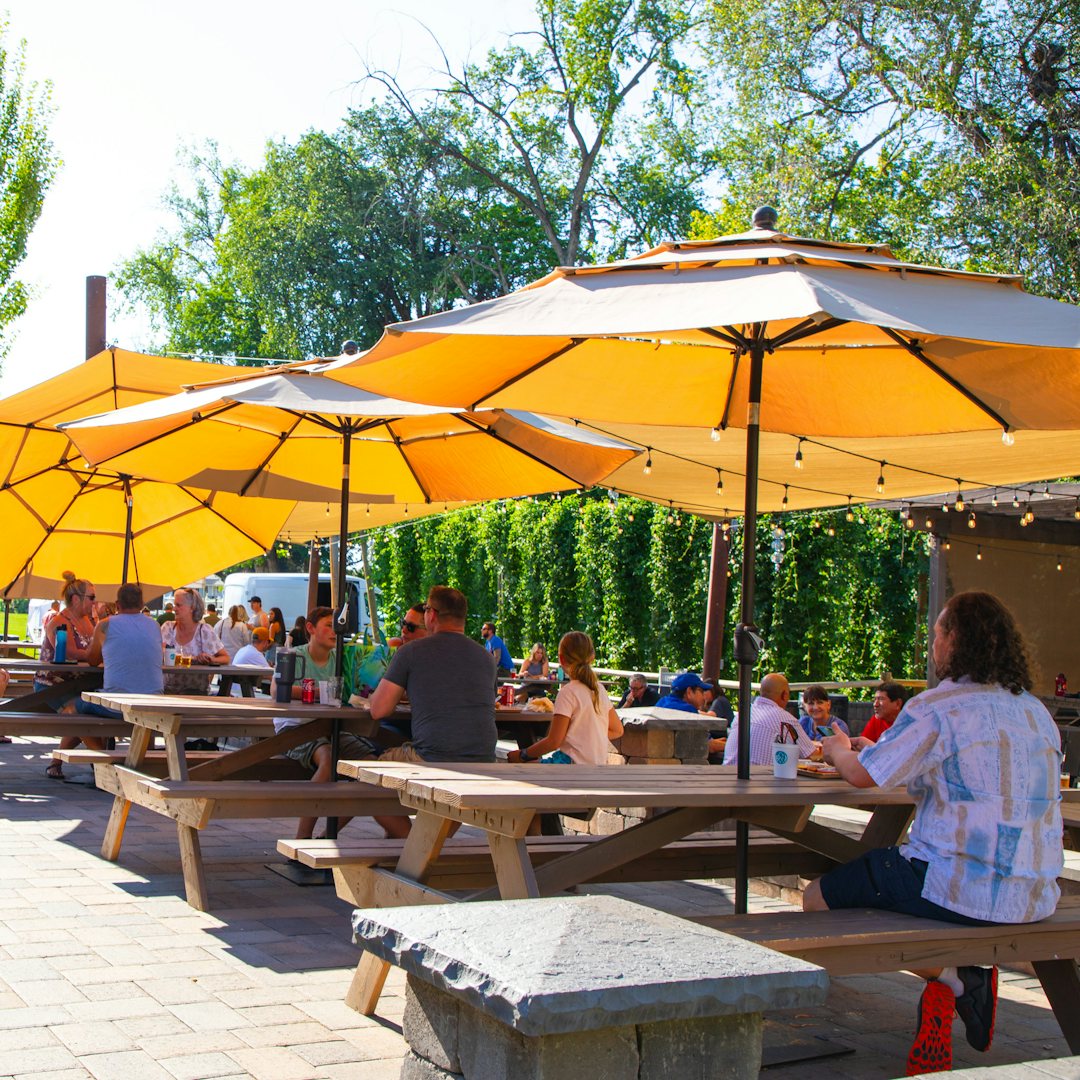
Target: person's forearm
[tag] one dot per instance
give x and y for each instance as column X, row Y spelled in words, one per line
column 851, row 769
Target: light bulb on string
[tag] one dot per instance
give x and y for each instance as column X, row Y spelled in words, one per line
column 909, row 521
column 944, row 506
column 1016, row 501
column 1076, row 510
column 831, row 531
column 959, row 504
column 881, row 479
column 784, row 501
column 630, row 516
column 1007, row 437
column 850, row 515
column 798, row 455
column 715, row 434
column 994, row 501
column 947, row 546
column 1046, row 491
column 929, row 523
column 1059, row 564
column 648, row 462
column 978, row 553
column 719, row 481
column 671, row 514
column 1029, row 515
column 971, row 520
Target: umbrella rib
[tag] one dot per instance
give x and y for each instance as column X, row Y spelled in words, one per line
column 208, row 504
column 49, row 530
column 257, row 471
column 572, row 344
column 946, row 377
column 805, row 329
column 731, row 337
column 506, row 442
column 408, row 464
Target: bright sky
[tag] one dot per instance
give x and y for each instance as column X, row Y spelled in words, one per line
column 134, row 80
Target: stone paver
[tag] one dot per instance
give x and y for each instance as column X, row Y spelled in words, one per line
column 106, row 973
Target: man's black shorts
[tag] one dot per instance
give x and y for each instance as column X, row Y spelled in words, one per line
column 884, row 879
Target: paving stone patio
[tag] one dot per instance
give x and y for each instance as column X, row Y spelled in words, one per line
column 105, row 971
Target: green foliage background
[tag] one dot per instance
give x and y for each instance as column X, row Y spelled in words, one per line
column 849, row 605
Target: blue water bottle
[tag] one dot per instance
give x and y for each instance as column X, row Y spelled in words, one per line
column 60, row 653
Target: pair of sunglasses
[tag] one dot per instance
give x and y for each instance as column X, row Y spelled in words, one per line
column 410, row 626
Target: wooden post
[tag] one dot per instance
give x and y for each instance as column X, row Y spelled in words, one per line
column 95, row 315
column 714, row 610
column 313, row 578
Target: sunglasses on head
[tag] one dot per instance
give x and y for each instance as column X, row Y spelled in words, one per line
column 411, row 627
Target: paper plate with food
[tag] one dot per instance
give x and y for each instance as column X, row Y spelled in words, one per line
column 817, row 768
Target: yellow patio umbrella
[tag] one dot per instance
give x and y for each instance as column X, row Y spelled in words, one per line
column 283, row 435
column 106, row 524
column 807, row 343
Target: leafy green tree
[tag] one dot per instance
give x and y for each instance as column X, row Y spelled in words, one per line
column 589, row 127
column 949, row 130
column 27, row 166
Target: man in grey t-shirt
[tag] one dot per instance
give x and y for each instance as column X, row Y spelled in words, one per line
column 450, row 680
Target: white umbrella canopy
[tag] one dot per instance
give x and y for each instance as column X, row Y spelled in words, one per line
column 664, row 339
column 281, row 436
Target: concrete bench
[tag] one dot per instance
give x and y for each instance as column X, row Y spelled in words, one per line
column 465, row 862
column 857, row 942
column 550, row 990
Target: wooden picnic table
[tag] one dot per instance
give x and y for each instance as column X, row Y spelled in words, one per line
column 191, row 795
column 88, row 677
column 502, row 800
column 8, row 648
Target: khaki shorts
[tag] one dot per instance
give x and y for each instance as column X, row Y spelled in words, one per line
column 350, row 747
column 404, row 752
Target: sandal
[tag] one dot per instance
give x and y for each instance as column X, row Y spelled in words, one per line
column 55, row 771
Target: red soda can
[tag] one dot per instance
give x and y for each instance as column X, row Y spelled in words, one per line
column 307, row 691
column 508, row 695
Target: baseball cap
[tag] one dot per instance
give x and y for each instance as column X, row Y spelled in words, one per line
column 689, row 680
column 260, row 633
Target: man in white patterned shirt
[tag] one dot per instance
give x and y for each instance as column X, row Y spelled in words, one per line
column 767, row 713
column 981, row 757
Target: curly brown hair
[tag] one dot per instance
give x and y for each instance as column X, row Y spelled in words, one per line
column 986, row 643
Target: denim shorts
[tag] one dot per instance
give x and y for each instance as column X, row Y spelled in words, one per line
column 884, row 879
column 91, row 708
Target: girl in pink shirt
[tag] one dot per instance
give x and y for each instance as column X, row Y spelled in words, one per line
column 584, row 720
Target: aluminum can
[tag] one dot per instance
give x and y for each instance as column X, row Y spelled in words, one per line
column 508, row 695
column 307, row 691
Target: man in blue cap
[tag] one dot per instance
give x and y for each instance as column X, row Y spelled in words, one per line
column 689, row 693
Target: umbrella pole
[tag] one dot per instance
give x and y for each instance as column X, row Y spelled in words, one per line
column 339, row 618
column 746, row 648
column 127, row 529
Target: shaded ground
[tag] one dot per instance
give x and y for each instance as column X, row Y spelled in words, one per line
column 105, row 971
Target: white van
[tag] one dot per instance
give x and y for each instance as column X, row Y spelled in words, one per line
column 289, row 592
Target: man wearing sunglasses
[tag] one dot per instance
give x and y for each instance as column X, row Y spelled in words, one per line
column 412, row 627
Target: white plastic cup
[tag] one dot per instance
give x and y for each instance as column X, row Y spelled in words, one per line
column 785, row 756
column 330, row 691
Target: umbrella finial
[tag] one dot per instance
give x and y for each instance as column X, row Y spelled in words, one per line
column 764, row 218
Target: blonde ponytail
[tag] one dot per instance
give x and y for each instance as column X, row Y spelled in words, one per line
column 576, row 653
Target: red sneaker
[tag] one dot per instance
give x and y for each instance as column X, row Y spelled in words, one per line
column 932, row 1049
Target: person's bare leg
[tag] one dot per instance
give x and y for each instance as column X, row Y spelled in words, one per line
column 305, row 827
column 396, row 827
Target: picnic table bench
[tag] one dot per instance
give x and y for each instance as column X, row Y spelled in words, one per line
column 465, row 863
column 863, row 942
column 194, row 795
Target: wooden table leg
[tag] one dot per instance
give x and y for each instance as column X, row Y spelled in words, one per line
column 421, row 849
column 1061, row 982
column 513, row 867
column 886, row 826
column 114, row 832
column 192, row 866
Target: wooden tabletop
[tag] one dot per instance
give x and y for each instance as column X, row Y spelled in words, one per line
column 557, row 787
column 196, row 705
column 26, row 664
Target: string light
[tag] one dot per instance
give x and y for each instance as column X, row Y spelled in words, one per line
column 831, row 531
column 648, row 461
column 784, row 502
column 881, row 479
column 909, row 521
column 1046, row 491
column 850, row 515
column 798, row 455
column 978, row 553
column 944, row 506
column 1016, row 501
column 719, row 481
column 1076, row 510
column 929, row 524
column 994, row 500
column 1029, row 516
column 1007, row 437
column 671, row 515
column 959, row 499
column 1059, row 566
column 715, row 434
column 947, row 546
column 971, row 520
